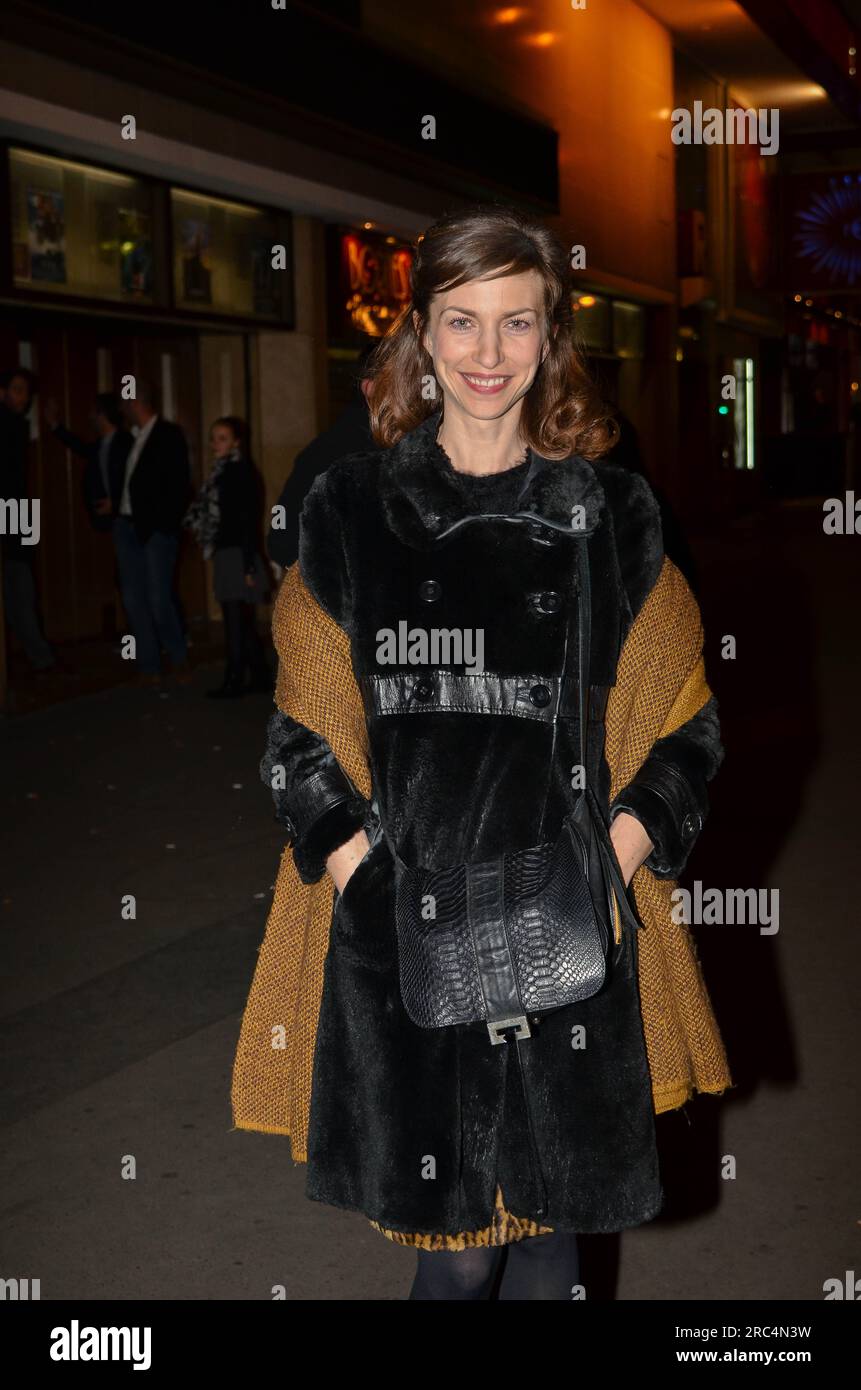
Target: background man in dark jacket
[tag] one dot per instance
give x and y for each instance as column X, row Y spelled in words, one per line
column 349, row 434
column 19, row 589
column 152, row 502
column 106, row 456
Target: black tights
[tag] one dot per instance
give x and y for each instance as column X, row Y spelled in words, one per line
column 543, row 1267
column 244, row 647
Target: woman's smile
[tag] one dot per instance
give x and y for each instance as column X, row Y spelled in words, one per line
column 485, row 385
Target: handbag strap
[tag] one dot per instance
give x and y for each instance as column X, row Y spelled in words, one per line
column 582, row 667
column 584, row 643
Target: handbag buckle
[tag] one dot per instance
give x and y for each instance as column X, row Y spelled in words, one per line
column 497, row 1029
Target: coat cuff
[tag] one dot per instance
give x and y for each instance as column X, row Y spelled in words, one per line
column 332, row 828
column 314, row 798
column 669, row 794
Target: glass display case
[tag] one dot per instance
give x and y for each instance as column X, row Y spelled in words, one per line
column 80, row 230
column 231, row 258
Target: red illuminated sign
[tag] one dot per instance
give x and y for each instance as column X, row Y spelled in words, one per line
column 374, row 282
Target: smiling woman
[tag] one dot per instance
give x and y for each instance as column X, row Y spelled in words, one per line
column 490, row 327
column 478, row 1033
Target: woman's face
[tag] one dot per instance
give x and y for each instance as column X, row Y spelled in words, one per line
column 487, row 341
column 222, row 440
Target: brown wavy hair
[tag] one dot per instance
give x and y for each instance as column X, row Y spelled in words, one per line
column 563, row 411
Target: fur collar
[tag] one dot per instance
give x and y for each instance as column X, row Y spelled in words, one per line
column 423, row 503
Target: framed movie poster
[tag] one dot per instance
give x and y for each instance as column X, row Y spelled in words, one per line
column 196, row 267
column 135, row 247
column 46, row 235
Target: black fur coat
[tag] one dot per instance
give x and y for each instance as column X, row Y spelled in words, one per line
column 415, row 1127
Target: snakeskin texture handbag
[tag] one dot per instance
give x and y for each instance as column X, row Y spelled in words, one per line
column 527, row 932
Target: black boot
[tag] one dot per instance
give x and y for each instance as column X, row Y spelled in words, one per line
column 261, row 680
column 231, row 687
column 255, row 658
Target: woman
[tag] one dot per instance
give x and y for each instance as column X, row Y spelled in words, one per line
column 225, row 518
column 475, row 519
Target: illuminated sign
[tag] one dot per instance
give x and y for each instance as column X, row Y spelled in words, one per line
column 373, row 283
column 827, row 234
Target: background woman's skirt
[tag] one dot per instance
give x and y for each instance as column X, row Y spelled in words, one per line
column 228, row 575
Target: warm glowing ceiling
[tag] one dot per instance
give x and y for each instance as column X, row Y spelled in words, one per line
column 722, row 38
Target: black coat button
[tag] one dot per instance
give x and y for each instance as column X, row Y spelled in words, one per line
column 549, row 602
column 542, row 535
column 540, row 695
column 423, row 688
column 430, row 590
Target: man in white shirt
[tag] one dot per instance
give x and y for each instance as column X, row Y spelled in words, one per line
column 146, row 531
column 141, row 437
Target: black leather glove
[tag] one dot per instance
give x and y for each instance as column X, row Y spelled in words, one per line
column 315, row 800
column 669, row 796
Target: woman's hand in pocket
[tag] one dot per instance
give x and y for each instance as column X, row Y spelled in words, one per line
column 343, row 861
column 631, row 843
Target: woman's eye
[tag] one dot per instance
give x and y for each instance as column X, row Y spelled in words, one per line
column 461, row 322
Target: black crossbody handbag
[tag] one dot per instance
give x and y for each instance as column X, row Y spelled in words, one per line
column 525, row 933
